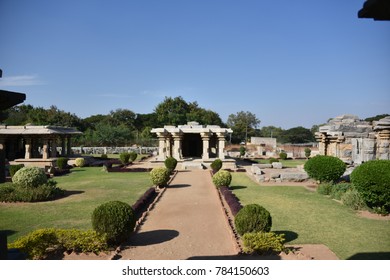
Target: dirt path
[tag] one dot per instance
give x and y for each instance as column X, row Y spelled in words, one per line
column 187, row 222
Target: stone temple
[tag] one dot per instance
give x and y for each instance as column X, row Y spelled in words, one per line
column 353, row 140
column 193, row 144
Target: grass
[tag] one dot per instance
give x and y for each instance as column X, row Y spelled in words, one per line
column 309, row 218
column 87, row 188
column 286, row 163
column 116, row 156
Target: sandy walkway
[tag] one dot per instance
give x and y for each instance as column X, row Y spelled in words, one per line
column 187, row 222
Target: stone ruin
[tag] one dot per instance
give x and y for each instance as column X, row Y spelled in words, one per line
column 355, row 141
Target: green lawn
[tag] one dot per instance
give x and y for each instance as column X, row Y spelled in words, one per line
column 87, row 188
column 307, row 217
column 286, row 163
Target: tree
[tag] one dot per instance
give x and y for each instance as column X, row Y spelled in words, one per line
column 297, row 135
column 271, row 131
column 243, row 124
column 172, row 111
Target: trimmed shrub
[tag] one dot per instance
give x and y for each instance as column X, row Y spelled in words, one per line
column 104, row 156
column 114, row 219
column 80, row 162
column 6, row 192
column 124, row 157
column 62, row 162
column 14, row 168
column 307, row 152
column 216, row 165
column 160, row 176
column 30, row 177
column 271, row 160
column 339, row 189
column 353, row 199
column 242, row 151
column 36, row 244
column 283, row 155
column 263, row 242
column 253, row 218
column 222, row 178
column 372, row 181
column 133, row 156
column 16, row 193
column 325, row 168
column 170, row 163
column 325, row 188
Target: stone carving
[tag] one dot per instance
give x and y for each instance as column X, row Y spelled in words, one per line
column 353, row 140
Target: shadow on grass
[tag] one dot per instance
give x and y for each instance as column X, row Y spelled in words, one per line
column 237, row 187
column 288, row 235
column 152, row 237
column 370, row 256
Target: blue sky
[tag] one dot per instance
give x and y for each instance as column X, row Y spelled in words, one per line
column 289, row 62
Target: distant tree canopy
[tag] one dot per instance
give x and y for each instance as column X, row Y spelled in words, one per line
column 244, row 125
column 297, row 135
column 376, row 118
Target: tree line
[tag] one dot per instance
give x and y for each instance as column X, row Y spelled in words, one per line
column 123, row 127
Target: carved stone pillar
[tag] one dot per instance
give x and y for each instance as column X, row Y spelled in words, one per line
column 45, row 149
column 68, row 146
column 63, row 152
column 161, row 146
column 28, row 147
column 206, row 145
column 221, row 145
column 177, row 145
column 53, row 148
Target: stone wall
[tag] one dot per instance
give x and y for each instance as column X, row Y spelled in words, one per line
column 113, row 150
column 353, row 140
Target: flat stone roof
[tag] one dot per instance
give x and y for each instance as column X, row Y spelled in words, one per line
column 37, row 130
column 192, row 127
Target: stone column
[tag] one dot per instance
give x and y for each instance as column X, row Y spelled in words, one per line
column 68, row 146
column 53, row 148
column 27, row 145
column 168, row 151
column 177, row 145
column 63, row 153
column 161, row 146
column 2, row 160
column 206, row 145
column 221, row 145
column 383, row 144
column 45, row 149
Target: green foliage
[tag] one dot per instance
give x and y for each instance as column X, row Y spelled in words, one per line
column 170, row 163
column 325, row 188
column 372, row 181
column 160, row 176
column 216, row 165
column 124, row 157
column 16, row 193
column 62, row 162
column 263, row 242
column 114, row 219
column 338, row 190
column 307, row 152
column 325, row 168
column 29, row 177
column 253, row 218
column 80, row 162
column 133, row 156
column 283, row 155
column 271, row 160
column 37, row 243
column 104, row 156
column 14, row 168
column 353, row 199
column 244, row 125
column 222, row 178
column 242, row 151
column 297, row 135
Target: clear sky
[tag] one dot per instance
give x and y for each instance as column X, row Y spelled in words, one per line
column 289, row 62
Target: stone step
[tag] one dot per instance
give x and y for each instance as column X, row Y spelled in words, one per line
column 192, row 165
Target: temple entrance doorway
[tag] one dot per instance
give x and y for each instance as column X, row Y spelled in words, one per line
column 192, row 145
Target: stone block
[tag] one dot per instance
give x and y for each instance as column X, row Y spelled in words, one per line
column 264, row 165
column 277, row 165
column 294, row 177
column 274, row 175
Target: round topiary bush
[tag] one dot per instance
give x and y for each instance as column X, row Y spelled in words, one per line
column 216, row 165
column 124, row 157
column 283, row 155
column 222, row 178
column 170, row 164
column 79, row 162
column 325, row 168
column 160, row 176
column 133, row 156
column 372, row 180
column 115, row 219
column 62, row 163
column 29, row 177
column 252, row 218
